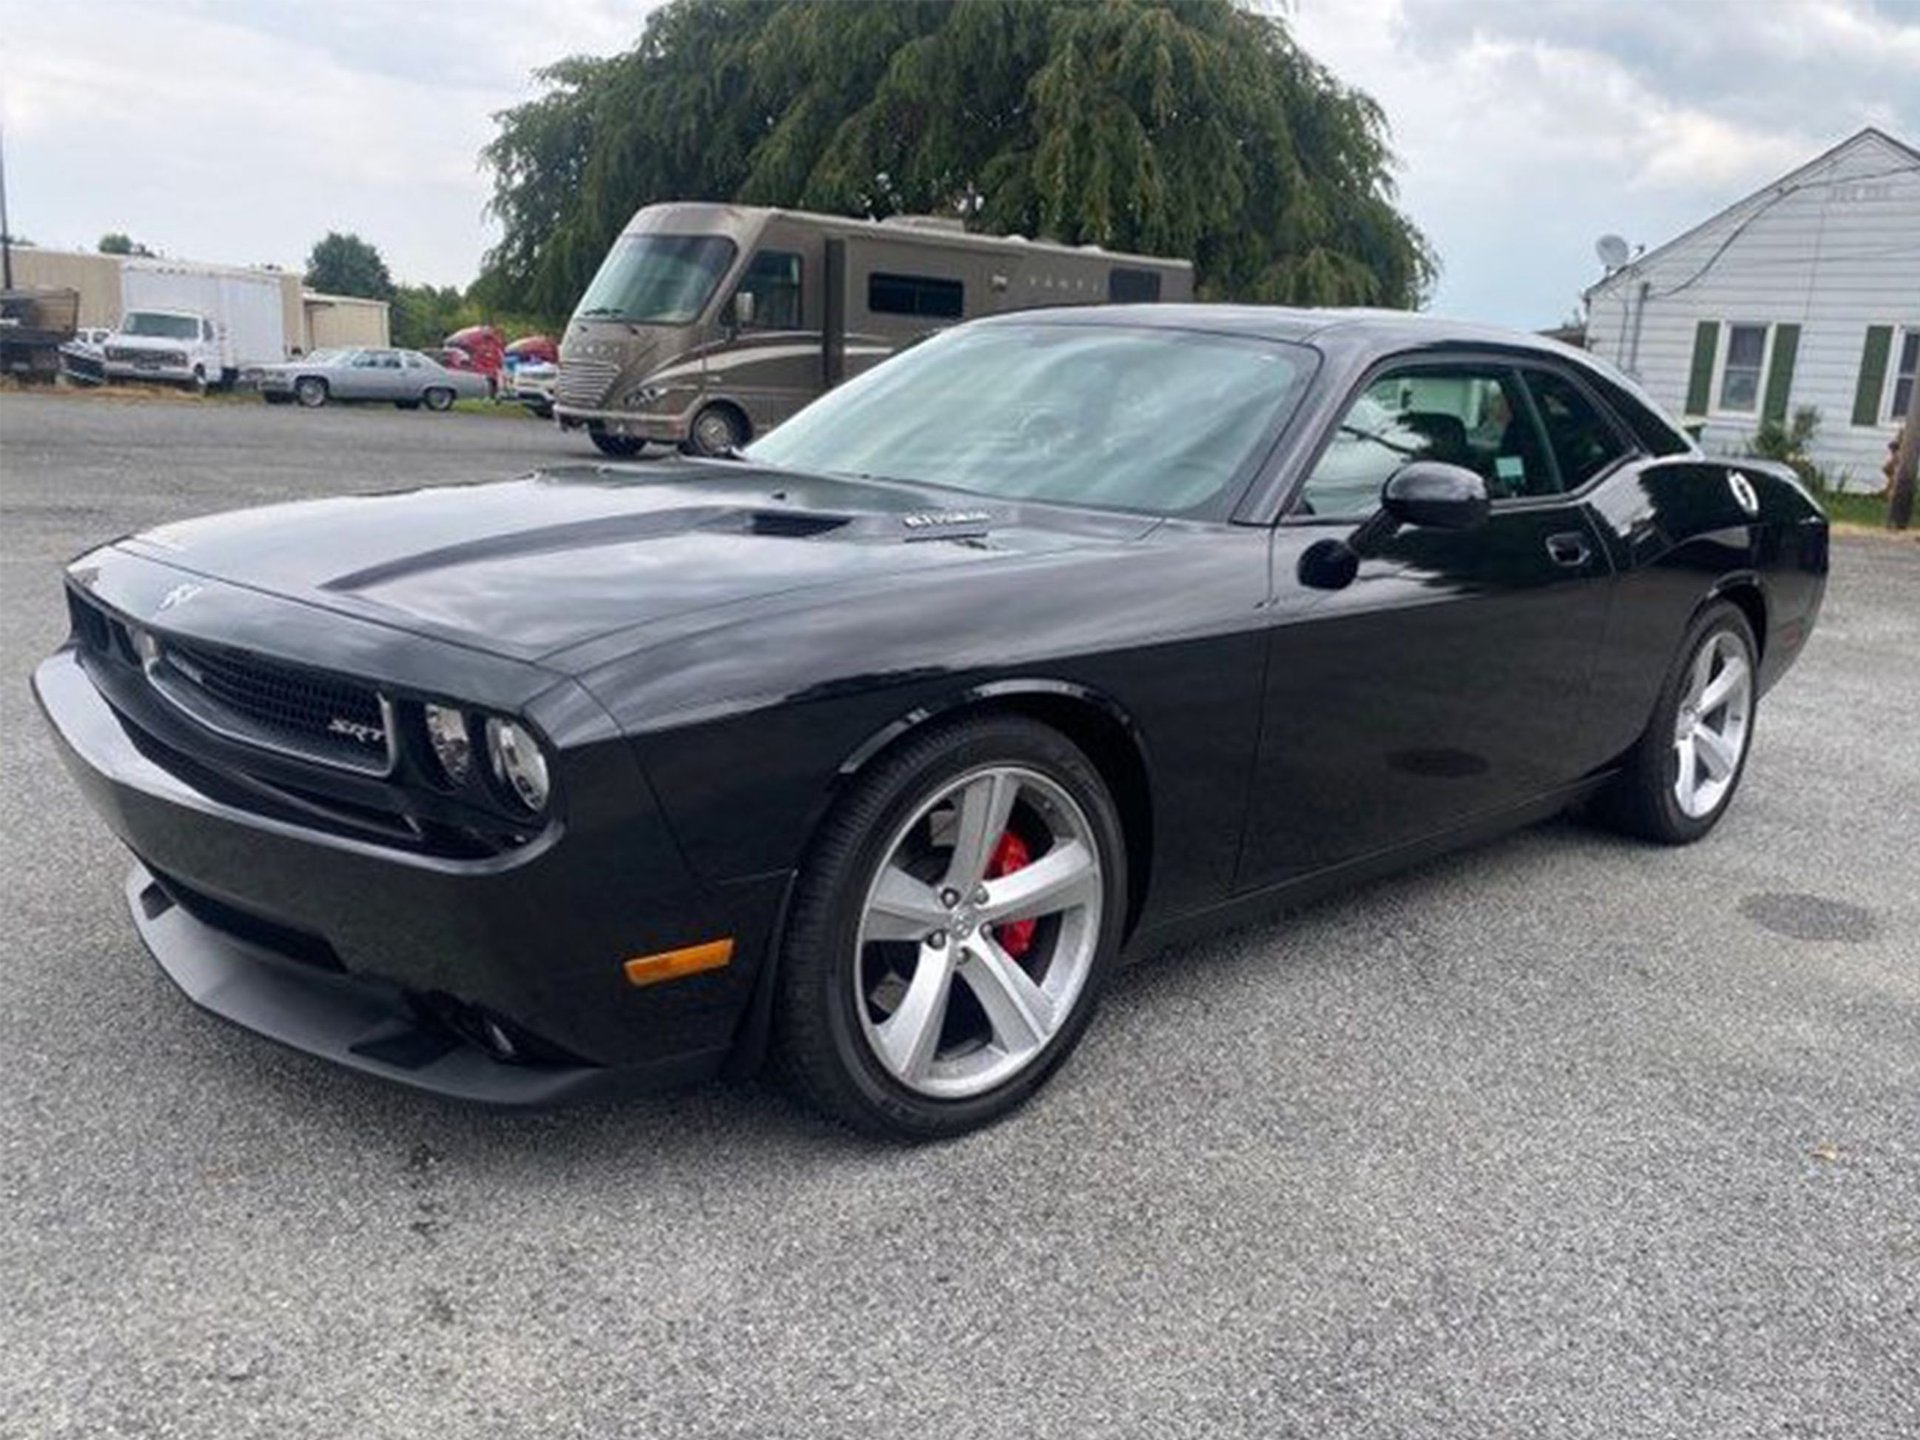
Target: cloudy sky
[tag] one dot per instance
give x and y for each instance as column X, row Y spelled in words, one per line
column 241, row 130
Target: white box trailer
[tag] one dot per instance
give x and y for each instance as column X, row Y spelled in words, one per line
column 244, row 308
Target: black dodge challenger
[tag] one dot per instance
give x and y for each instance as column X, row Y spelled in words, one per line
column 874, row 748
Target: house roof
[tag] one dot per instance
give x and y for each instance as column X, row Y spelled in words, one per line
column 1784, row 183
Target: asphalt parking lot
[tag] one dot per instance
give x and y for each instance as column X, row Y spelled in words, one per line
column 1564, row 1136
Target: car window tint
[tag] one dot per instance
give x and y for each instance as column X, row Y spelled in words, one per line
column 1583, row 442
column 1471, row 416
column 1161, row 421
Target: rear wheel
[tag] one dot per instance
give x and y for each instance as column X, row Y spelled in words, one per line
column 310, row 391
column 619, row 446
column 438, row 398
column 1681, row 775
column 717, row 430
column 951, row 930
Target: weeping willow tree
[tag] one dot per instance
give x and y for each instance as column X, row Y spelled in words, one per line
column 1175, row 127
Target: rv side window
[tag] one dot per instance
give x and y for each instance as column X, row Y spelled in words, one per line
column 206, row 330
column 773, row 279
column 916, row 295
column 1133, row 287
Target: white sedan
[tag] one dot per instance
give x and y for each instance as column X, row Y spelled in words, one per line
column 405, row 378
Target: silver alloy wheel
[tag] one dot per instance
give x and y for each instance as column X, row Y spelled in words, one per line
column 714, row 432
column 930, row 918
column 1710, row 731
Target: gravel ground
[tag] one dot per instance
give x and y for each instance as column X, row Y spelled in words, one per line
column 1564, row 1136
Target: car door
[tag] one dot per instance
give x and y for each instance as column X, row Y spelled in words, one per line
column 361, row 378
column 1447, row 680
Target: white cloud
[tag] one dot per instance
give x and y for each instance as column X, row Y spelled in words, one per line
column 243, row 134
column 1527, row 128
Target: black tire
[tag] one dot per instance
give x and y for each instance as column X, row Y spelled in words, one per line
column 1641, row 800
column 310, row 391
column 717, row 430
column 818, row 1041
column 199, row 384
column 620, row 447
column 439, row 398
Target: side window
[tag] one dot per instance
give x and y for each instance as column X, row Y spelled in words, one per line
column 206, row 330
column 922, row 295
column 773, row 279
column 1132, row 287
column 1740, row 376
column 367, row 360
column 1582, row 441
column 1471, row 416
column 411, row 360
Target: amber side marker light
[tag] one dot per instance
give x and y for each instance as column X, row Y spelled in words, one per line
column 672, row 964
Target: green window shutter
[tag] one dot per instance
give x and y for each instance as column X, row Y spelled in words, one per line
column 1786, row 345
column 1873, row 375
column 1706, row 340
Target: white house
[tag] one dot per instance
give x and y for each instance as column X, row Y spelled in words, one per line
column 1805, row 293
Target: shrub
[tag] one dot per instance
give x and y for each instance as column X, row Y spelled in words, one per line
column 1789, row 444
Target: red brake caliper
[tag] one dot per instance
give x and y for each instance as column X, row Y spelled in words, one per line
column 1011, row 854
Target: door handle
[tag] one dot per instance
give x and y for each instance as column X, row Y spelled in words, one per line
column 1569, row 549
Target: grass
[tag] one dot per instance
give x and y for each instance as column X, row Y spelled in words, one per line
column 1851, row 508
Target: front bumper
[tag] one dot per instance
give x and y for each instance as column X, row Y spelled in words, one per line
column 390, row 963
column 668, row 429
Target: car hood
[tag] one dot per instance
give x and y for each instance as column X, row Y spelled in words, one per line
column 530, row 567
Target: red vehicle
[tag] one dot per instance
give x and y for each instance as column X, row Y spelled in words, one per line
column 534, row 347
column 484, row 350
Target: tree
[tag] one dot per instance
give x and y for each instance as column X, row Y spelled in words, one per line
column 116, row 242
column 1182, row 127
column 347, row 265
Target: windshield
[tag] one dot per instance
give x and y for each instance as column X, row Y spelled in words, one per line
column 1135, row 419
column 657, row 279
column 161, row 327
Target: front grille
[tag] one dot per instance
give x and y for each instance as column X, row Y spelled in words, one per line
column 280, row 707
column 126, row 355
column 585, row 383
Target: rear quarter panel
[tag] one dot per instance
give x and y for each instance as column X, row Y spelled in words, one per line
column 1680, row 536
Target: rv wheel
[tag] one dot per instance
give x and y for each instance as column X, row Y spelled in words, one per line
column 717, row 430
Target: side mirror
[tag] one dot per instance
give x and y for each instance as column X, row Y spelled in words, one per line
column 1434, row 496
column 743, row 308
column 1425, row 494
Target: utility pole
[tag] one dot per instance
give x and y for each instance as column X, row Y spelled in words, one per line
column 1906, row 461
column 6, row 231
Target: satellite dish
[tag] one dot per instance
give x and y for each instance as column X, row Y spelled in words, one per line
column 1612, row 251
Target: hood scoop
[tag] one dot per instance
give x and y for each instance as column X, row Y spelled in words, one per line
column 792, row 524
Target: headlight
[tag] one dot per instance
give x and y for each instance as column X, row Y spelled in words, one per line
column 517, row 763
column 645, row 395
column 145, row 646
column 452, row 745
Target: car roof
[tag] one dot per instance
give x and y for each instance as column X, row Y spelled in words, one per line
column 1386, row 328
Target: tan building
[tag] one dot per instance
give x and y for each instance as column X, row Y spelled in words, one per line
column 311, row 320
column 341, row 321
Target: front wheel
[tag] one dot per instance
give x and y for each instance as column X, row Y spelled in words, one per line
column 716, row 431
column 1681, row 775
column 951, row 930
column 310, row 391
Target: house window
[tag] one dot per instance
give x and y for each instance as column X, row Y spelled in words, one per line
column 1903, row 376
column 1746, row 362
column 915, row 295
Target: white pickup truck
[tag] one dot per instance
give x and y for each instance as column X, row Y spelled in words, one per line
column 176, row 346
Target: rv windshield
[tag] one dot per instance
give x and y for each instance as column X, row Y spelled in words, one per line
column 1164, row 421
column 657, row 279
column 161, row 327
